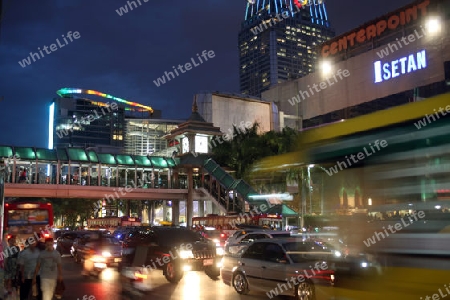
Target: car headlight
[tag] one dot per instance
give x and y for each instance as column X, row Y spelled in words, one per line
column 98, row 259
column 364, row 265
column 186, row 254
column 106, row 254
column 220, row 251
column 337, row 253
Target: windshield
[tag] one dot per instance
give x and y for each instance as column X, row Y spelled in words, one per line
column 175, row 237
column 308, row 251
column 110, row 241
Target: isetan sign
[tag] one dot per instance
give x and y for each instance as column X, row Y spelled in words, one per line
column 401, row 66
column 374, row 30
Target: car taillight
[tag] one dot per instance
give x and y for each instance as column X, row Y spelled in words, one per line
column 46, row 235
column 8, row 236
column 222, row 235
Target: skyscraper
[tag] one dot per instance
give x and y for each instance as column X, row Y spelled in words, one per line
column 278, row 42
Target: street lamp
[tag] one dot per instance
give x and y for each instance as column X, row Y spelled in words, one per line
column 310, row 188
column 433, row 25
column 325, row 67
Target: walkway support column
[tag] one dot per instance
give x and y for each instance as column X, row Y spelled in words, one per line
column 176, row 212
column 190, row 200
column 201, row 208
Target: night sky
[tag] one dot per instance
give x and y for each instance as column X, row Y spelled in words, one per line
column 122, row 55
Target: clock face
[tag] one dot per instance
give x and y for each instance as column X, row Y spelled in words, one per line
column 201, row 144
column 185, row 143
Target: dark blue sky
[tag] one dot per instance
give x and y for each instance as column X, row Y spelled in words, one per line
column 122, row 55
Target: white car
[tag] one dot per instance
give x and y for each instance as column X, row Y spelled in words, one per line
column 235, row 244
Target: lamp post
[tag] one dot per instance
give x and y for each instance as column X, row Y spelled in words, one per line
column 3, row 174
column 321, row 190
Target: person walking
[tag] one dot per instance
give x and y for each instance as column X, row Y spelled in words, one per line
column 27, row 265
column 11, row 267
column 49, row 266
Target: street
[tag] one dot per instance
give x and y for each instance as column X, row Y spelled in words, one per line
column 194, row 285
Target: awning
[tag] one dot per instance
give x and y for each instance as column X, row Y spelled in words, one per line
column 6, row 151
column 107, row 159
column 92, row 156
column 282, row 209
column 142, row 161
column 46, row 154
column 77, row 155
column 26, row 153
column 125, row 160
column 158, row 162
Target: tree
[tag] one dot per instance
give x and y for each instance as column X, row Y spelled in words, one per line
column 73, row 212
column 247, row 146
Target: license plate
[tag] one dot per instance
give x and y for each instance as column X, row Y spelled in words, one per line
column 117, row 259
column 208, row 262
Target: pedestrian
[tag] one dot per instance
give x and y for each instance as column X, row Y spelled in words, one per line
column 11, row 267
column 2, row 272
column 49, row 266
column 22, row 175
column 27, row 265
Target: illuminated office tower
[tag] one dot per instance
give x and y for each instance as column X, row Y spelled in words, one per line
column 278, row 42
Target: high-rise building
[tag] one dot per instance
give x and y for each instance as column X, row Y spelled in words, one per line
column 78, row 119
column 278, row 41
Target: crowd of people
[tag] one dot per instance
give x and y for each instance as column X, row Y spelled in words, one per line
column 34, row 271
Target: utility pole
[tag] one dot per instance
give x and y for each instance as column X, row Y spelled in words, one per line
column 3, row 174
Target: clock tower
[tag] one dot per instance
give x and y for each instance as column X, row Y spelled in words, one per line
column 194, row 139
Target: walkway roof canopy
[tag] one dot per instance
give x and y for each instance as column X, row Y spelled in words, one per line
column 80, row 155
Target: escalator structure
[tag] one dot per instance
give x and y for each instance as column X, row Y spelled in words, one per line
column 231, row 195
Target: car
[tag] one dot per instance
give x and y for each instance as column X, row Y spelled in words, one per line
column 65, row 241
column 293, row 267
column 217, row 237
column 135, row 276
column 174, row 250
column 100, row 252
column 237, row 243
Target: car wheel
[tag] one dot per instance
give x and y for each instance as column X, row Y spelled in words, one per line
column 172, row 272
column 305, row 291
column 212, row 272
column 240, row 283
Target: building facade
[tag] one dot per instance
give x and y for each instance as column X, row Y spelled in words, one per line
column 87, row 119
column 147, row 136
column 277, row 42
column 228, row 110
column 400, row 57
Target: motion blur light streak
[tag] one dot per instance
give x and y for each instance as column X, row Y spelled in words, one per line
column 191, row 286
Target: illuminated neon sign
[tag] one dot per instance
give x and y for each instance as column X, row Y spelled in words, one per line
column 70, row 91
column 401, row 66
column 300, row 3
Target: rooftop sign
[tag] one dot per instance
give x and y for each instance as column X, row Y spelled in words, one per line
column 375, row 29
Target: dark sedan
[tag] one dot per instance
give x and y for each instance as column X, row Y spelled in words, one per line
column 65, row 241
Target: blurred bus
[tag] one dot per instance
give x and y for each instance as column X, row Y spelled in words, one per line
column 112, row 223
column 28, row 219
column 230, row 223
column 372, row 171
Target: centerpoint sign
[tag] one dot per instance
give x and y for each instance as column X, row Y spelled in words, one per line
column 401, row 66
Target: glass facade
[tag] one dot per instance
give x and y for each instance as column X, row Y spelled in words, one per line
column 278, row 42
column 146, row 136
column 81, row 122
